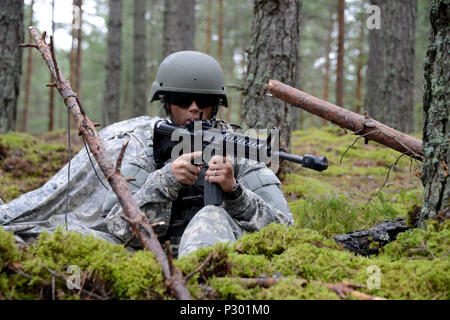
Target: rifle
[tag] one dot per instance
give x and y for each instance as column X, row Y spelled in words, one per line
column 170, row 141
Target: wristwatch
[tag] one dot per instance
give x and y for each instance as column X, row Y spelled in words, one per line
column 235, row 193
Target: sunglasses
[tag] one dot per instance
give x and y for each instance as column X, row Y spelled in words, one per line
column 184, row 100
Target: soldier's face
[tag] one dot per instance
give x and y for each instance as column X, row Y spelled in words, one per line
column 182, row 115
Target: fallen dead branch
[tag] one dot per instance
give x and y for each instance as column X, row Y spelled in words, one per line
column 141, row 228
column 369, row 241
column 361, row 125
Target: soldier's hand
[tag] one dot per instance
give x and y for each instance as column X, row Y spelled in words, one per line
column 221, row 171
column 184, row 171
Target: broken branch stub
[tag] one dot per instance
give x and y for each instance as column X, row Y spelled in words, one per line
column 369, row 128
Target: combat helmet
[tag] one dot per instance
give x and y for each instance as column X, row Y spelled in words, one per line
column 189, row 72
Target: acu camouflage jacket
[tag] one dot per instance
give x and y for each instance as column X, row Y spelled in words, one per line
column 261, row 203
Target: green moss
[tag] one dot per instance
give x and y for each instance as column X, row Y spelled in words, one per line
column 128, row 275
column 27, row 162
column 304, row 254
column 249, row 266
column 8, row 250
column 304, row 186
column 17, row 140
column 275, row 239
column 290, row 289
column 9, row 191
column 432, row 243
column 292, row 252
column 229, row 288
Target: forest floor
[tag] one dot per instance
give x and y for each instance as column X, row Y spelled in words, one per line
column 297, row 262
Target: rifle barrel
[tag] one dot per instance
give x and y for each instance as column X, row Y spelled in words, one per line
column 290, row 157
column 307, row 161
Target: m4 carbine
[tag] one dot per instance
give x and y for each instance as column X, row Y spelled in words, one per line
column 170, row 141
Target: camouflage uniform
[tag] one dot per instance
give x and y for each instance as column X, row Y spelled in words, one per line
column 157, row 191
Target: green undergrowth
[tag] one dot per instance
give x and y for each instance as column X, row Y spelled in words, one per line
column 27, row 162
column 360, row 188
column 415, row 266
column 303, row 257
column 107, row 269
column 295, row 254
column 320, row 206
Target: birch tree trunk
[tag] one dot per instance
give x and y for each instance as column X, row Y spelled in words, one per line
column 111, row 105
column 436, row 136
column 272, row 55
column 11, row 34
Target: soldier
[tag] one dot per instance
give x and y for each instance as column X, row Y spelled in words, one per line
column 188, row 84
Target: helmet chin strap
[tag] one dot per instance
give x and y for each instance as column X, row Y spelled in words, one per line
column 219, row 110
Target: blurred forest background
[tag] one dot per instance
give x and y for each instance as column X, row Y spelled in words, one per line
column 110, row 51
column 221, row 28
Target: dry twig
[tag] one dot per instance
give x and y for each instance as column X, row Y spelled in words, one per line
column 200, row 267
column 389, row 172
column 139, row 226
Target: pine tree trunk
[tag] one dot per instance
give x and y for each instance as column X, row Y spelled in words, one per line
column 296, row 112
column 230, row 97
column 326, row 87
column 435, row 172
column 179, row 26
column 340, row 57
column 111, row 105
column 51, row 108
column 390, row 74
column 208, row 28
column 72, row 49
column 359, row 76
column 272, row 55
column 152, row 37
column 140, row 80
column 11, row 34
column 126, row 100
column 220, row 35
column 26, row 106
